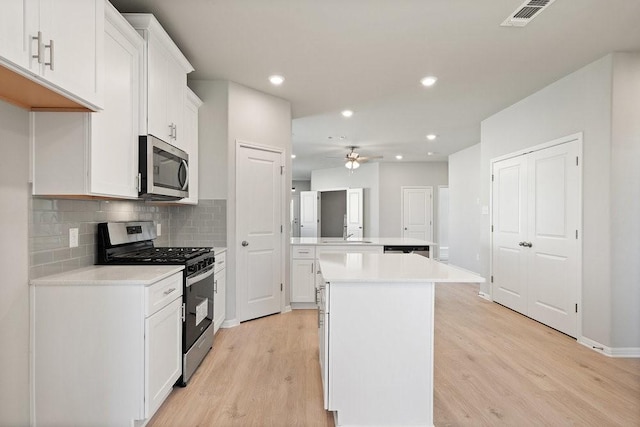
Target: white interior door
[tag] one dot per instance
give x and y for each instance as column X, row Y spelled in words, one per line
column 259, row 193
column 553, row 258
column 309, row 214
column 509, row 230
column 295, row 215
column 417, row 212
column 355, row 209
column 536, row 220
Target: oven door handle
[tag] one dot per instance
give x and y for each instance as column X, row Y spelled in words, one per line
column 201, row 276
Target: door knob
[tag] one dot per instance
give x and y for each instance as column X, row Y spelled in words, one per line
column 245, row 243
column 521, row 244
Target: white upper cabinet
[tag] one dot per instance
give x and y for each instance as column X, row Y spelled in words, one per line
column 164, row 82
column 57, row 44
column 95, row 154
column 189, row 141
column 13, row 33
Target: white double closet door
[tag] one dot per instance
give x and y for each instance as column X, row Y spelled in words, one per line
column 536, row 229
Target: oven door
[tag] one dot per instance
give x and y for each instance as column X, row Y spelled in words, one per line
column 198, row 298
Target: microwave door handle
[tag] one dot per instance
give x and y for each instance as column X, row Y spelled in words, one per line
column 184, row 165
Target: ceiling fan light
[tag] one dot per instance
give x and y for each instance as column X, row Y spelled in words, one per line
column 352, row 164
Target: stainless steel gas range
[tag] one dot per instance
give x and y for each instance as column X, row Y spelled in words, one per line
column 132, row 243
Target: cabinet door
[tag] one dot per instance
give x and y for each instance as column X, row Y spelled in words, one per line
column 220, row 285
column 176, row 93
column 14, row 41
column 163, row 354
column 303, row 275
column 158, row 123
column 188, row 138
column 76, row 29
column 114, row 143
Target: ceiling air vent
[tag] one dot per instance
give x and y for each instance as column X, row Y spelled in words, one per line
column 526, row 12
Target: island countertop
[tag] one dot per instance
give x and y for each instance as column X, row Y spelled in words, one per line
column 371, row 267
column 365, row 241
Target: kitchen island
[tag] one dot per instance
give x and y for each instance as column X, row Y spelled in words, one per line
column 376, row 321
column 305, row 251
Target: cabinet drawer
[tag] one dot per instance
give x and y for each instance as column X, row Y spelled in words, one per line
column 162, row 293
column 221, row 262
column 303, row 252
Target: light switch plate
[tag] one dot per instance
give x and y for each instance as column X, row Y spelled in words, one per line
column 159, row 229
column 73, row 237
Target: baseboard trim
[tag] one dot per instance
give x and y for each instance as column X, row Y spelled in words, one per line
column 230, row 323
column 485, row 296
column 303, row 305
column 287, row 308
column 609, row 351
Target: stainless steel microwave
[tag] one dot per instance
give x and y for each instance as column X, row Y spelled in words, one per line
column 163, row 170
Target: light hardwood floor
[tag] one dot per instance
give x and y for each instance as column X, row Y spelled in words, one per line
column 492, row 367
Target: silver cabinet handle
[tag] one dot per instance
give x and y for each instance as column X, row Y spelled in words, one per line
column 526, row 244
column 245, row 243
column 215, row 286
column 168, row 291
column 39, row 54
column 171, row 130
column 311, row 268
column 51, row 55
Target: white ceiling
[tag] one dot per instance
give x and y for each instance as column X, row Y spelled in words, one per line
column 369, row 55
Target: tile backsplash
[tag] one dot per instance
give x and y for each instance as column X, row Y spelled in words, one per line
column 51, row 219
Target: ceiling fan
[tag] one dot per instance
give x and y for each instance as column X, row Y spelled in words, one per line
column 353, row 159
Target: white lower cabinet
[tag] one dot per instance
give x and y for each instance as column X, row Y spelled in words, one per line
column 104, row 354
column 303, row 276
column 219, row 291
column 163, row 335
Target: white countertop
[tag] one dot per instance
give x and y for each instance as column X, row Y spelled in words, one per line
column 217, row 251
column 370, row 267
column 366, row 241
column 140, row 275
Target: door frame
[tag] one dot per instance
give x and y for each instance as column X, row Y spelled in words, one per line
column 285, row 195
column 559, row 141
column 409, row 187
column 440, row 187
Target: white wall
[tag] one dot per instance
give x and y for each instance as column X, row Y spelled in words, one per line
column 213, row 149
column 582, row 102
column 625, row 202
column 465, row 209
column 366, row 176
column 14, row 264
column 393, row 176
column 231, row 113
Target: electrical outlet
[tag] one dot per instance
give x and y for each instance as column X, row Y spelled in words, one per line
column 159, row 229
column 73, row 237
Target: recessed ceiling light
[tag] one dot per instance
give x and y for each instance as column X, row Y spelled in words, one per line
column 276, row 80
column 399, row 157
column 428, row 81
column 347, row 113
column 431, row 136
column 431, row 153
column 293, row 156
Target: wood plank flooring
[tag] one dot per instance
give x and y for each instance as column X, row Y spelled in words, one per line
column 493, row 367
